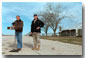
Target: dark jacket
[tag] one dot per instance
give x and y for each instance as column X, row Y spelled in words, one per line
column 38, row 23
column 18, row 25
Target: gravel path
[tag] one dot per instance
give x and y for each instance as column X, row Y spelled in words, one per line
column 48, row 47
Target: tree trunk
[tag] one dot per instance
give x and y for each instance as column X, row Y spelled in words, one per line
column 47, row 29
column 46, row 33
column 54, row 33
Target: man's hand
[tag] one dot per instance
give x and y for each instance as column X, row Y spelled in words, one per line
column 38, row 28
column 8, row 27
column 30, row 34
column 13, row 25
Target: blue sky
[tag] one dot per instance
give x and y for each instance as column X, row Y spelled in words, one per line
column 27, row 9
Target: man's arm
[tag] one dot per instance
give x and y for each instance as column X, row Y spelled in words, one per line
column 31, row 27
column 41, row 24
column 14, row 23
column 31, row 30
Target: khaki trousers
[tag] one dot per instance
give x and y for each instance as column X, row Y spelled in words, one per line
column 36, row 38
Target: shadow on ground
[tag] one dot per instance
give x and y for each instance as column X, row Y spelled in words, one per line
column 28, row 45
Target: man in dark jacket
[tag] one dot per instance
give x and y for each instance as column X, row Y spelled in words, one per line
column 18, row 27
column 35, row 31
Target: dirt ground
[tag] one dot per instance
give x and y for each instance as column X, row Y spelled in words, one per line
column 48, row 47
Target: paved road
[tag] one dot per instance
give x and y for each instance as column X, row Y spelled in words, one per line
column 48, row 47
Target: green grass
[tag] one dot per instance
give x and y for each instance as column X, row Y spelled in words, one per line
column 72, row 40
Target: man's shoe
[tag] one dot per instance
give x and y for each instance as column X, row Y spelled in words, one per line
column 38, row 49
column 33, row 48
column 17, row 50
column 13, row 50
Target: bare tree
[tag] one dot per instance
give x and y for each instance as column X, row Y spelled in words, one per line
column 52, row 16
column 44, row 16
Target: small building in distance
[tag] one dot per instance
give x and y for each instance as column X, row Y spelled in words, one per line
column 77, row 31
